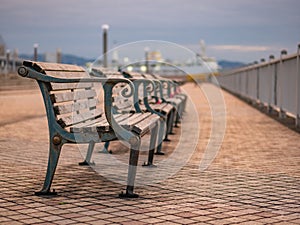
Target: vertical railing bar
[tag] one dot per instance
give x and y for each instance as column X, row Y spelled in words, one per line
column 298, row 88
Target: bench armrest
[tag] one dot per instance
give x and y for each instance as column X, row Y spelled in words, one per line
column 149, row 87
column 30, row 73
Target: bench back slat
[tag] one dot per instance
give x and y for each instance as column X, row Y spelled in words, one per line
column 69, row 86
column 76, row 106
column 73, row 95
column 73, row 103
column 66, row 74
column 44, row 66
column 120, row 103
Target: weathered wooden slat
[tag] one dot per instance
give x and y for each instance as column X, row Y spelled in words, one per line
column 119, row 87
column 105, row 72
column 90, row 125
column 176, row 101
column 95, row 123
column 76, row 106
column 123, row 104
column 148, row 76
column 58, row 67
column 133, row 120
column 69, row 86
column 71, row 96
column 119, row 118
column 67, row 74
column 164, row 107
column 75, row 118
column 133, row 75
column 146, row 124
column 125, row 120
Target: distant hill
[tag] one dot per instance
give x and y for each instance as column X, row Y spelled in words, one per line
column 66, row 58
column 226, row 65
column 72, row 59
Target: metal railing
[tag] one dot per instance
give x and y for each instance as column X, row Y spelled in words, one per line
column 275, row 84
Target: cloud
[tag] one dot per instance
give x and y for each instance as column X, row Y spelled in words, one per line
column 241, row 48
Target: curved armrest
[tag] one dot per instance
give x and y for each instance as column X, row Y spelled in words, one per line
column 30, row 73
column 146, row 92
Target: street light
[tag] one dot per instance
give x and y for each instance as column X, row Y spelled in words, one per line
column 58, row 55
column 7, row 61
column 35, row 52
column 146, row 59
column 105, row 28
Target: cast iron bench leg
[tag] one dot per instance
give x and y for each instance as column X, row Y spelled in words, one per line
column 54, row 153
column 133, row 161
column 170, row 124
column 160, row 137
column 153, row 138
column 105, row 148
column 89, row 153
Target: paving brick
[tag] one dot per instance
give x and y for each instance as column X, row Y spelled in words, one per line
column 134, row 223
column 254, row 178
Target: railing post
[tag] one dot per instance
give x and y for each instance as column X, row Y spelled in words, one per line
column 282, row 114
column 272, row 88
column 298, row 88
column 247, row 83
column 257, row 85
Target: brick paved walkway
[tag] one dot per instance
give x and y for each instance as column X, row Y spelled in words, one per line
column 253, row 180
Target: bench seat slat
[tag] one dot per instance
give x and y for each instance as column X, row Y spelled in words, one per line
column 74, row 118
column 140, row 123
column 164, row 107
column 58, row 67
column 93, row 123
column 87, row 126
column 146, row 124
column 176, row 101
column 131, row 121
column 120, row 118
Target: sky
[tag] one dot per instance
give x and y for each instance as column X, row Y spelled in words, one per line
column 236, row 30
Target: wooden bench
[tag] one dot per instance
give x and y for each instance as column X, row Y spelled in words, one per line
column 151, row 101
column 159, row 104
column 172, row 94
column 77, row 114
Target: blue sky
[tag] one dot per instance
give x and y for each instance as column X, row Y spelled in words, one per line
column 233, row 29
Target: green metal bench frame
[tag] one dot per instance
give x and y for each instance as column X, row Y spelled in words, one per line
column 60, row 136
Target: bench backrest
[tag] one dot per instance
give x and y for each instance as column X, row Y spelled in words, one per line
column 154, row 92
column 72, row 103
column 120, row 103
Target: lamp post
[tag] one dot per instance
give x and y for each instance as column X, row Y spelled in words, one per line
column 58, row 55
column 7, row 59
column 147, row 59
column 35, row 52
column 15, row 57
column 105, row 28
